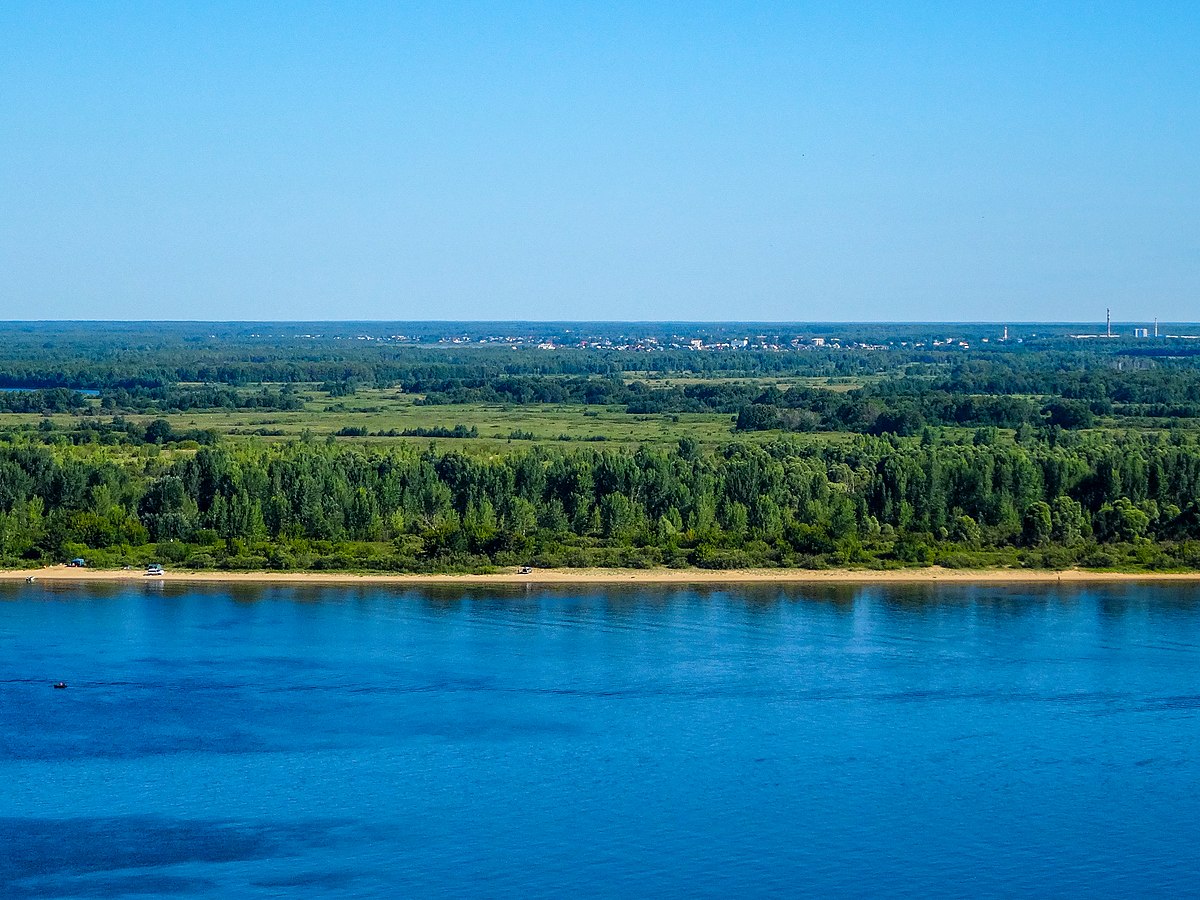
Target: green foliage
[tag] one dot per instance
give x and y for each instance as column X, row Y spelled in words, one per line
column 1039, row 526
column 878, row 499
column 1120, row 520
column 888, row 449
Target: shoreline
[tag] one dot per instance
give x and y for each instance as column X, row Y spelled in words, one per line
column 929, row 575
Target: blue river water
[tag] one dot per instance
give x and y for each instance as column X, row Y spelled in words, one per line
column 917, row 741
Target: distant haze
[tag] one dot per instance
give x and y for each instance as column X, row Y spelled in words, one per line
column 624, row 161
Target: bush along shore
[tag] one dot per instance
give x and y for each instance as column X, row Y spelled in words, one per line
column 1050, row 500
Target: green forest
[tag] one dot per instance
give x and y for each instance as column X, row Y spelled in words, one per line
column 881, row 501
column 1042, row 455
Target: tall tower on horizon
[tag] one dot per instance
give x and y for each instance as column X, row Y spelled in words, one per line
column 1108, row 321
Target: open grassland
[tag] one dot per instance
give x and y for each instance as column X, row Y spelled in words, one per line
column 380, row 416
column 385, row 413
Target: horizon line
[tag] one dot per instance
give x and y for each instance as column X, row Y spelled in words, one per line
column 773, row 322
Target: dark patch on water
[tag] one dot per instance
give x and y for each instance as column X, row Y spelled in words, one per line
column 332, row 879
column 32, row 848
column 145, row 884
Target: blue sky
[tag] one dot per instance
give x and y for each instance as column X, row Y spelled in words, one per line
column 790, row 161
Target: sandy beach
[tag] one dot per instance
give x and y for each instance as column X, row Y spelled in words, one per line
column 612, row 576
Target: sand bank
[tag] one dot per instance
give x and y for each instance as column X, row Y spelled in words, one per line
column 614, row 576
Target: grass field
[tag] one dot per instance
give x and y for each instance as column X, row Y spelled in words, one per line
column 500, row 427
column 386, row 410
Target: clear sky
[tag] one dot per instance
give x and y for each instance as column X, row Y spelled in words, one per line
column 690, row 160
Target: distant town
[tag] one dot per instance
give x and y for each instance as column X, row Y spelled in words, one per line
column 724, row 338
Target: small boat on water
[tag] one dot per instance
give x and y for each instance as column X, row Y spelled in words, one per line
column 60, row 685
column 154, row 570
column 30, row 580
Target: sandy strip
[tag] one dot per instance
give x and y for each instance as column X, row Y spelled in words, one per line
column 614, row 576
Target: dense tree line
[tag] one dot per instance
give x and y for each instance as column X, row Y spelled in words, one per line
column 118, row 431
column 172, row 398
column 52, row 400
column 176, row 398
column 874, row 500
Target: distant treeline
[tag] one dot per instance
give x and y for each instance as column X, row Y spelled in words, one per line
column 114, row 432
column 892, row 406
column 51, row 400
column 437, row 431
column 132, row 357
column 1092, row 500
column 145, row 399
column 1050, row 381
column 176, row 398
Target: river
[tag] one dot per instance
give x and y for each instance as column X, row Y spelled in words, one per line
column 923, row 741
